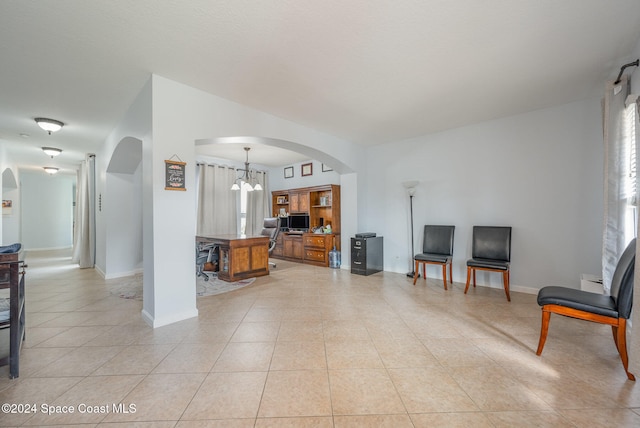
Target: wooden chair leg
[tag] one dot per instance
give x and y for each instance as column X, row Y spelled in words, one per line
column 444, row 275
column 544, row 329
column 474, row 277
column 505, row 280
column 620, row 333
column 451, row 273
column 466, row 288
column 416, row 272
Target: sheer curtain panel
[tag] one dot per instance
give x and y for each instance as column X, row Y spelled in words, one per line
column 618, row 230
column 84, row 238
column 217, row 203
column 258, row 203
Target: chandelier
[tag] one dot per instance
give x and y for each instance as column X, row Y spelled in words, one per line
column 245, row 178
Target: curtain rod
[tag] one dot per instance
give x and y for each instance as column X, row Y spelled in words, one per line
column 634, row 64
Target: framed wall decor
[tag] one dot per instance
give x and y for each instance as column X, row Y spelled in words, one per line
column 174, row 175
column 307, row 169
column 326, row 168
column 288, row 172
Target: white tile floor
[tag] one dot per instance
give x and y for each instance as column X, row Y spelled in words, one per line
column 311, row 346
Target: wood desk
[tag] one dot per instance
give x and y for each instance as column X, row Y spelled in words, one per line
column 241, row 256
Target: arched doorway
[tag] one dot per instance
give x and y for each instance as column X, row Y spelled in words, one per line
column 121, row 205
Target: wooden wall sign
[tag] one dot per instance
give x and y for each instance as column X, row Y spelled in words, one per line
column 174, row 175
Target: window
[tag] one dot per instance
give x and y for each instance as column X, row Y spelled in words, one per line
column 630, row 188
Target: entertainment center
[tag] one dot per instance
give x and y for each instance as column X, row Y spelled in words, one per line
column 310, row 218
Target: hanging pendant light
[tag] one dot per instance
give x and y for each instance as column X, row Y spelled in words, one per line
column 245, row 178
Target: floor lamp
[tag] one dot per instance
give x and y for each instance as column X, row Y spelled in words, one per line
column 411, row 190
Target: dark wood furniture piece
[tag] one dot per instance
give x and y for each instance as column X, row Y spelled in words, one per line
column 240, row 256
column 366, row 255
column 437, row 249
column 613, row 310
column 12, row 277
column 322, row 205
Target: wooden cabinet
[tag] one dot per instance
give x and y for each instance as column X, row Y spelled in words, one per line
column 322, row 205
column 317, row 247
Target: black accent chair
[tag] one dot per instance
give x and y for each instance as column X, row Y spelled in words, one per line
column 490, row 251
column 437, row 249
column 613, row 310
column 271, row 228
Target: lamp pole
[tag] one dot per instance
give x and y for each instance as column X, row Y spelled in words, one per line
column 411, row 189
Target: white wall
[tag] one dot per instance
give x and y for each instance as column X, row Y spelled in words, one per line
column 278, row 182
column 540, row 173
column 47, row 210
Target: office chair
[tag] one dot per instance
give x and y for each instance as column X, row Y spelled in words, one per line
column 490, row 250
column 437, row 249
column 271, row 228
column 205, row 253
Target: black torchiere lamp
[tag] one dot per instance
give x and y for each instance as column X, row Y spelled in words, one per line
column 411, row 190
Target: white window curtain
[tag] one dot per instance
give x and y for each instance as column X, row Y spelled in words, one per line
column 84, row 230
column 258, row 204
column 217, row 203
column 619, row 209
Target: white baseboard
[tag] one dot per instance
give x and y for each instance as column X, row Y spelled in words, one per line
column 173, row 318
column 122, row 274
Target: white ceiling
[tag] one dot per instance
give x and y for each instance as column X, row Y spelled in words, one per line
column 369, row 71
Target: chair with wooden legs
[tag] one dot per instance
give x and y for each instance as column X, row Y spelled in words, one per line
column 437, row 249
column 613, row 310
column 490, row 251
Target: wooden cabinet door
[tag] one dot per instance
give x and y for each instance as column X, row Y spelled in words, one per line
column 303, row 202
column 293, row 247
column 294, row 202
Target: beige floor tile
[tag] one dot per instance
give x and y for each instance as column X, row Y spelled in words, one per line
column 528, row 419
column 159, row 397
column 256, row 332
column 363, row 392
column 92, row 399
column 78, row 362
column 74, row 336
column 605, row 418
column 353, row 355
column 430, row 389
column 493, row 389
column 373, row 421
column 298, row 356
column 217, row 423
column 296, row 393
column 135, row 359
column 452, row 420
column 190, row 358
column 227, row 396
column 299, row 331
column 245, row 357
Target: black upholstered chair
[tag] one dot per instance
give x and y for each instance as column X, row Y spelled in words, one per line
column 613, row 310
column 271, row 228
column 490, row 251
column 437, row 249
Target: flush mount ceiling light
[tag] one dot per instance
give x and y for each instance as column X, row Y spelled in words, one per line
column 51, row 169
column 49, row 125
column 51, row 151
column 246, row 177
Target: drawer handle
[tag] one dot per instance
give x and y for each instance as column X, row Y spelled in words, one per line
column 357, row 263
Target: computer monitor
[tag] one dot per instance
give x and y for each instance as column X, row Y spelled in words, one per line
column 299, row 222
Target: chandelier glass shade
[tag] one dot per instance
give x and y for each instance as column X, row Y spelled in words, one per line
column 246, row 177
